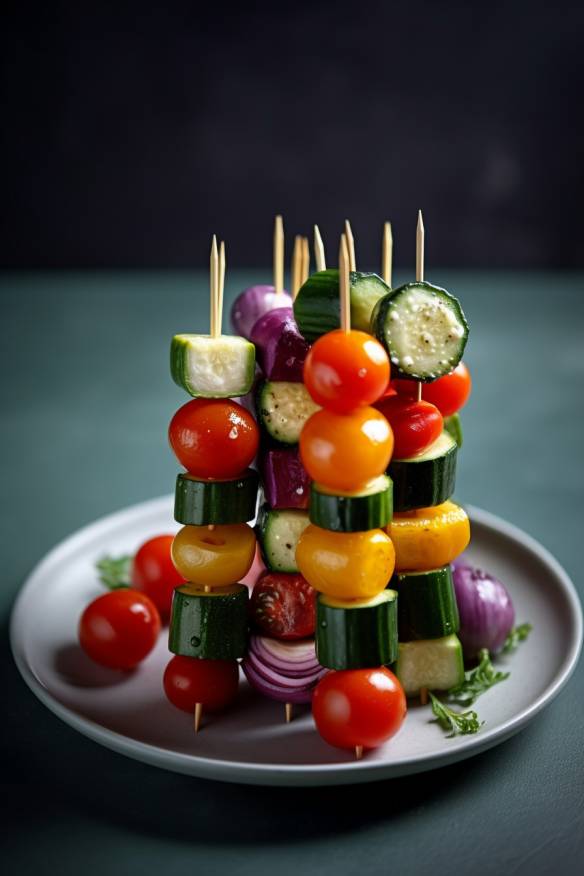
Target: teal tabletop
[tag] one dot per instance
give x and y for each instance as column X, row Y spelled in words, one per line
column 86, row 399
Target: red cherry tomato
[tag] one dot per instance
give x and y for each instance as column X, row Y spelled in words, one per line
column 213, row 683
column 415, row 424
column 346, row 370
column 451, row 392
column 154, row 573
column 358, row 707
column 283, row 606
column 214, row 438
column 119, row 628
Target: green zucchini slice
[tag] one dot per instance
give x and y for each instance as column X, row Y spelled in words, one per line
column 357, row 634
column 203, row 503
column 423, row 329
column 434, row 664
column 317, row 308
column 453, row 426
column 211, row 626
column 371, row 508
column 283, row 408
column 425, row 480
column 278, row 534
column 207, row 367
column 426, row 604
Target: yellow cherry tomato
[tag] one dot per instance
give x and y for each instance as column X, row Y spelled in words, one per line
column 428, row 538
column 214, row 557
column 347, row 565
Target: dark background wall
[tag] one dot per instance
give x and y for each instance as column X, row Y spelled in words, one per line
column 129, row 134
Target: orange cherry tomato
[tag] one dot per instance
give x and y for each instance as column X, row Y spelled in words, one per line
column 346, row 370
column 344, row 452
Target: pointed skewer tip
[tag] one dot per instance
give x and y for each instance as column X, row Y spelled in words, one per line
column 288, row 712
column 358, row 752
column 198, row 716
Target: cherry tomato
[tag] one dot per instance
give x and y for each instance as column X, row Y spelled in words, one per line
column 346, row 370
column 154, row 573
column 119, row 628
column 216, row 557
column 344, row 452
column 213, row 683
column 283, row 606
column 451, row 392
column 358, row 707
column 214, row 438
column 415, row 424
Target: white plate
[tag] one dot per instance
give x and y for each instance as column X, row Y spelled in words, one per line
column 251, row 743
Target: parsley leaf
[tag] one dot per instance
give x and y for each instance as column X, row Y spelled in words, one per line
column 458, row 723
column 517, row 635
column 114, row 572
column 476, row 681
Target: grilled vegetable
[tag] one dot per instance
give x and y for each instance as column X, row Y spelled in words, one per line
column 215, row 557
column 284, row 479
column 283, row 409
column 278, row 535
column 370, row 508
column 283, row 606
column 280, row 348
column 434, row 664
column 204, row 502
column 427, row 479
column 428, row 538
column 317, row 308
column 212, row 367
column 357, row 633
column 426, row 604
column 209, row 625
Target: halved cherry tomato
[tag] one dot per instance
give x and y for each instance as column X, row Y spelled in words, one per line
column 283, row 606
column 415, row 424
column 213, row 683
column 451, row 392
column 119, row 628
column 154, row 573
column 346, row 370
column 358, row 707
column 344, row 452
column 214, row 557
column 214, row 438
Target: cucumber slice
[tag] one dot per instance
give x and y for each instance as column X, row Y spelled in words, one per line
column 283, row 408
column 317, row 308
column 208, row 367
column 210, row 626
column 201, row 503
column 435, row 664
column 425, row 480
column 426, row 604
column 453, row 426
column 278, row 534
column 423, row 329
column 370, row 508
column 357, row 634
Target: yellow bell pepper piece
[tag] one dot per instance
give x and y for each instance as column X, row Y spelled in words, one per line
column 428, row 538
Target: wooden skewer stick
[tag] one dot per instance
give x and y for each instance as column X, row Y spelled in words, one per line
column 358, row 752
column 288, row 710
column 278, row 255
column 213, row 286
column 344, row 286
column 420, row 234
column 198, row 716
column 319, row 250
column 296, row 281
column 424, row 696
column 350, row 246
column 387, row 253
column 221, row 286
column 305, row 262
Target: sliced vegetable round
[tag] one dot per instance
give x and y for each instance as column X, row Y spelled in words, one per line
column 285, row 481
column 212, row 625
column 283, row 409
column 346, row 565
column 283, row 606
column 280, row 348
column 370, row 508
column 345, row 452
column 213, row 683
column 416, row 425
column 214, row 557
column 427, row 479
column 317, row 308
column 434, row 664
column 278, row 534
column 253, row 303
column 357, row 634
column 426, row 604
column 203, row 502
column 428, row 538
column 451, row 392
column 423, row 329
column 212, row 367
column 283, row 671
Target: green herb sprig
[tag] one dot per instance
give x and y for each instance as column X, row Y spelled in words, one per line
column 114, row 572
column 458, row 723
column 515, row 637
column 476, row 681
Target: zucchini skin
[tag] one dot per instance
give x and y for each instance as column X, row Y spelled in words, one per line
column 203, row 503
column 317, row 308
column 351, row 513
column 208, row 627
column 265, row 520
column 179, row 359
column 357, row 638
column 453, row 425
column 425, row 483
column 427, row 606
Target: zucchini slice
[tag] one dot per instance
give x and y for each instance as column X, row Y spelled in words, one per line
column 435, row 664
column 427, row 479
column 423, row 329
column 278, row 534
column 357, row 634
column 370, row 508
column 202, row 503
column 426, row 604
column 210, row 626
column 283, row 408
column 207, row 367
column 317, row 309
column 453, row 425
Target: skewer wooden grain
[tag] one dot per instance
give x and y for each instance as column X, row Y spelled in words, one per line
column 424, row 696
column 214, row 287
column 278, row 255
column 350, row 246
column 358, row 752
column 344, row 285
column 387, row 253
column 198, row 716
column 305, row 271
column 296, row 271
column 288, row 712
column 319, row 254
